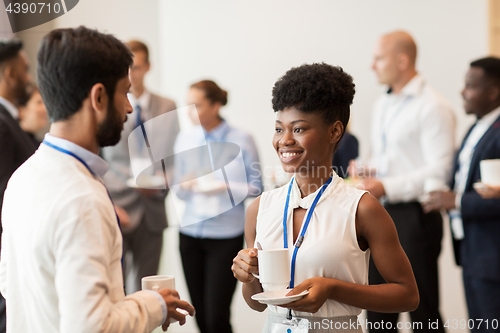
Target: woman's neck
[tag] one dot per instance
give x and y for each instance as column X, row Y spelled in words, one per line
column 311, row 181
column 213, row 124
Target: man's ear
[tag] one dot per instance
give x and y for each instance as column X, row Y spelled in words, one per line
column 99, row 100
column 494, row 93
column 336, row 131
column 403, row 61
column 8, row 73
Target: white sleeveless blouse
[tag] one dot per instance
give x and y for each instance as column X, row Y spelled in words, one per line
column 330, row 247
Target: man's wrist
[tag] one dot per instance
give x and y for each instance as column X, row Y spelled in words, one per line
column 458, row 201
column 162, row 303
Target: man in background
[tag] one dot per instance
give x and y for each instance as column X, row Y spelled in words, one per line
column 475, row 222
column 413, row 130
column 15, row 145
column 61, row 268
column 143, row 210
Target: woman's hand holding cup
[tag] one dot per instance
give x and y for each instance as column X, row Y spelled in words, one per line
column 245, row 264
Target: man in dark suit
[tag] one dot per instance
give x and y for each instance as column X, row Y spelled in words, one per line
column 347, row 151
column 142, row 211
column 15, row 145
column 475, row 221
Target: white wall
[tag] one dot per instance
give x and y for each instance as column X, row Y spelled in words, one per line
column 5, row 29
column 246, row 46
column 126, row 19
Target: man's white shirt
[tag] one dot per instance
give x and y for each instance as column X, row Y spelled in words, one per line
column 412, row 140
column 462, row 174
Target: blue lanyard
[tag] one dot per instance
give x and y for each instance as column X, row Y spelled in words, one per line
column 67, row 152
column 300, row 239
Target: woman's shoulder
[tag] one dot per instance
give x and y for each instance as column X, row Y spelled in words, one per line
column 345, row 195
column 270, row 199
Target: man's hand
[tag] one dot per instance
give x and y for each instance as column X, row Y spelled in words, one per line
column 439, row 200
column 123, row 216
column 173, row 301
column 148, row 192
column 374, row 186
column 488, row 191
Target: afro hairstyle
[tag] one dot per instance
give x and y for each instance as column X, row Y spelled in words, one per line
column 316, row 88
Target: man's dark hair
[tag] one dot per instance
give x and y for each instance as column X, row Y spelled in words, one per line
column 490, row 66
column 71, row 61
column 320, row 88
column 9, row 49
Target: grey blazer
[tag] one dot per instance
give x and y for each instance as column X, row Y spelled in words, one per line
column 151, row 209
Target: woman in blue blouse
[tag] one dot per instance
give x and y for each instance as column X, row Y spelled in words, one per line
column 218, row 167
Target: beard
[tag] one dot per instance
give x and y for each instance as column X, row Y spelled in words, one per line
column 21, row 91
column 109, row 132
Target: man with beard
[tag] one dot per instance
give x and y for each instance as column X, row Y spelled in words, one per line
column 15, row 145
column 61, row 268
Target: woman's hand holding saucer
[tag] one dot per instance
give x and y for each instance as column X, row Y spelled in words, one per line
column 319, row 291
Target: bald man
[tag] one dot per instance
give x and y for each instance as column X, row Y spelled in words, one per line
column 413, row 129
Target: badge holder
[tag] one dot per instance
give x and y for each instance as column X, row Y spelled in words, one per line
column 291, row 325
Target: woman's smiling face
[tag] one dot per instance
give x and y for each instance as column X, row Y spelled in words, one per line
column 303, row 140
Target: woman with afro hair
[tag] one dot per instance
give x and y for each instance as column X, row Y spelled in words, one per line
column 329, row 227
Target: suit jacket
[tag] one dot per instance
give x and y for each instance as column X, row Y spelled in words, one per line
column 15, row 148
column 479, row 251
column 138, row 206
column 348, row 150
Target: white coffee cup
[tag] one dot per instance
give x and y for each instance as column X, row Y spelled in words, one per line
column 490, row 172
column 434, row 184
column 157, row 282
column 274, row 269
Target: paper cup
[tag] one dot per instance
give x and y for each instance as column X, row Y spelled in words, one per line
column 434, row 184
column 490, row 172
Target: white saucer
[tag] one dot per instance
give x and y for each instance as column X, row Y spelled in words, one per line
column 278, row 297
column 147, row 182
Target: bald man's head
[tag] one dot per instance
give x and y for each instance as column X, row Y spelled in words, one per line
column 402, row 42
column 394, row 58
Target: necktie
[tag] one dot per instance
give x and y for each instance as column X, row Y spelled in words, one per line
column 138, row 118
column 138, row 122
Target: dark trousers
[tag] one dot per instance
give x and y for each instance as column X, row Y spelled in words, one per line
column 420, row 236
column 3, row 315
column 207, row 267
column 483, row 303
column 145, row 247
